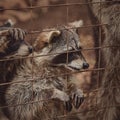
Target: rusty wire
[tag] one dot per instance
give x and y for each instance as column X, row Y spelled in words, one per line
column 50, row 54
column 87, row 70
column 59, row 5
column 99, row 51
column 51, row 99
column 31, row 7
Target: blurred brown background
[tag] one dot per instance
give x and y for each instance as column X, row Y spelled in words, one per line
column 45, row 17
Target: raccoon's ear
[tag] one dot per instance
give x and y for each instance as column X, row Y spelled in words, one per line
column 45, row 38
column 76, row 25
column 52, row 34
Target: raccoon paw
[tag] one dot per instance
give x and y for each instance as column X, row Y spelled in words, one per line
column 67, row 101
column 68, row 105
column 62, row 96
column 77, row 98
column 17, row 33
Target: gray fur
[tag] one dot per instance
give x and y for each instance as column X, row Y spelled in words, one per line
column 11, row 39
column 43, row 92
column 109, row 96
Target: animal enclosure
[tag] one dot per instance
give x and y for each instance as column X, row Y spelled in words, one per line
column 36, row 17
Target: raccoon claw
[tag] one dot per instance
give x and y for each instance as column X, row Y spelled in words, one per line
column 77, row 98
column 78, row 101
column 68, row 106
column 17, row 33
column 62, row 96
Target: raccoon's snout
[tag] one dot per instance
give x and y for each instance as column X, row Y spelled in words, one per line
column 85, row 65
column 75, row 61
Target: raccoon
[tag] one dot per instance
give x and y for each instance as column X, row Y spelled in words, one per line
column 11, row 39
column 11, row 42
column 109, row 96
column 39, row 90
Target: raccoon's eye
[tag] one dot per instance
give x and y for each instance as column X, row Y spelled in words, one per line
column 53, row 40
column 45, row 43
column 79, row 48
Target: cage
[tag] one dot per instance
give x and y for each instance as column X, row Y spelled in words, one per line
column 100, row 82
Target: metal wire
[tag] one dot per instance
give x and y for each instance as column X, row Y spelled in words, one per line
column 50, row 54
column 59, row 5
column 87, row 70
column 85, row 49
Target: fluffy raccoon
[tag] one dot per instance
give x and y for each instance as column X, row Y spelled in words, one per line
column 11, row 39
column 109, row 96
column 39, row 90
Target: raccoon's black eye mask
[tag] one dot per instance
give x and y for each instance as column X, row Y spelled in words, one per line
column 62, row 58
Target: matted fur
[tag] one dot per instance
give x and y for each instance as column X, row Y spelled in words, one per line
column 108, row 107
column 41, row 87
column 11, row 39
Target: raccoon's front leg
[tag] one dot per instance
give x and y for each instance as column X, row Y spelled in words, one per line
column 76, row 95
column 57, row 94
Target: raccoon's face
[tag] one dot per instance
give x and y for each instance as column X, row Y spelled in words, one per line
column 61, row 48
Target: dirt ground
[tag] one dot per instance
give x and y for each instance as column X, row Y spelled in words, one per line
column 40, row 18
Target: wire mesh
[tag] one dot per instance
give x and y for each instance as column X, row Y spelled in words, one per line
column 98, row 69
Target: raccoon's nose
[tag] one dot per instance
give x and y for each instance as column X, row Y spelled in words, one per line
column 85, row 65
column 30, row 48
